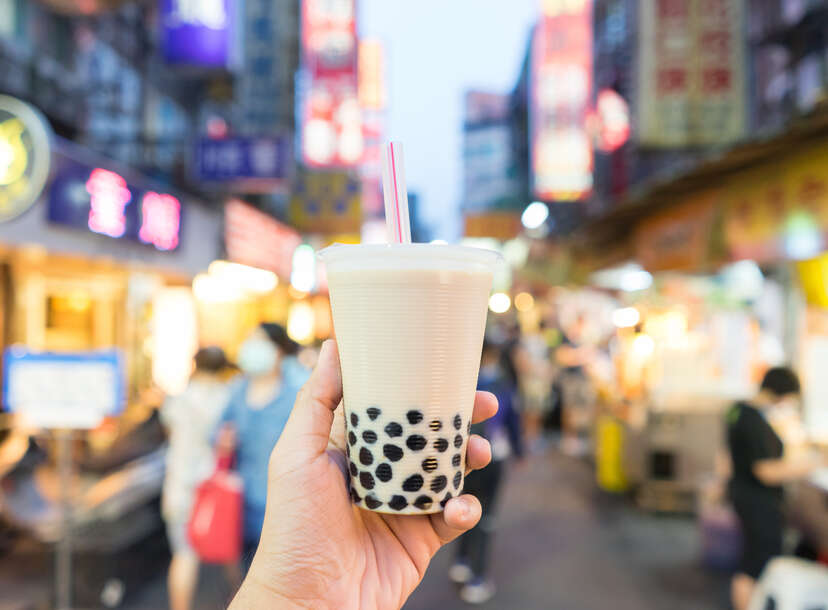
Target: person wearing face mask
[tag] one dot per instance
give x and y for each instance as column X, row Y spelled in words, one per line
column 256, row 414
column 759, row 470
column 503, row 431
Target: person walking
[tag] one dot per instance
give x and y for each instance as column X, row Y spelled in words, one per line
column 256, row 414
column 190, row 419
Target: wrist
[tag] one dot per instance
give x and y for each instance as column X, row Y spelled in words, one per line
column 254, row 594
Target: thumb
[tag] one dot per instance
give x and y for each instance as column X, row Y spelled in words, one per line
column 309, row 426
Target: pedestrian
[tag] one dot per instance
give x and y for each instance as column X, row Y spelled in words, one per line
column 759, row 469
column 190, row 419
column 256, row 414
column 503, row 432
column 317, row 550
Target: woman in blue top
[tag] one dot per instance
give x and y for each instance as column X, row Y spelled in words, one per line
column 256, row 414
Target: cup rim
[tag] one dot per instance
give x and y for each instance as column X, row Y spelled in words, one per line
column 409, row 253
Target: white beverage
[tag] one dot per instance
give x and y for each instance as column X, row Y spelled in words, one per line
column 409, row 322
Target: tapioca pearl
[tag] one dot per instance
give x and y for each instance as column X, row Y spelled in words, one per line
column 468, row 427
column 398, row 502
column 354, row 469
column 352, row 439
column 458, row 441
column 441, row 444
column 369, row 436
column 438, row 483
column 430, row 464
column 348, row 450
column 458, row 478
column 354, row 420
column 373, row 413
column 393, row 429
column 384, row 472
column 415, row 442
column 445, row 500
column 435, row 425
column 366, row 480
column 423, row 502
column 456, row 459
column 355, row 496
column 414, row 417
column 366, row 458
column 372, row 502
column 392, row 452
column 413, row 483
column 458, row 421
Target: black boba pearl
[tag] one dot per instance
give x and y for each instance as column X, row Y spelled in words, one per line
column 415, row 442
column 392, row 452
column 455, row 461
column 423, row 502
column 372, row 502
column 354, row 420
column 441, row 444
column 414, row 416
column 457, row 422
column 413, row 483
column 384, row 472
column 393, row 429
column 369, row 436
column 436, row 425
column 468, row 427
column 438, row 484
column 355, row 496
column 366, row 480
column 458, row 477
column 373, row 413
column 353, row 468
column 458, row 441
column 398, row 502
column 445, row 500
column 430, row 464
column 352, row 439
column 348, row 450
column 365, row 457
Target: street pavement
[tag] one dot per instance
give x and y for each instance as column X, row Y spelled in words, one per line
column 561, row 544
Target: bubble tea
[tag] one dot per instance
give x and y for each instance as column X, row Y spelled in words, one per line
column 409, row 322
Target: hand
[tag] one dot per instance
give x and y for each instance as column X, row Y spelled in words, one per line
column 317, row 550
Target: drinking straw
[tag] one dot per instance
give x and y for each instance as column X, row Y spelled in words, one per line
column 395, row 195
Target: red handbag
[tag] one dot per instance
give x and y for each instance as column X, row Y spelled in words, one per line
column 215, row 527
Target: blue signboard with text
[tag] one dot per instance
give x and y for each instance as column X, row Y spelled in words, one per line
column 265, row 159
column 197, row 32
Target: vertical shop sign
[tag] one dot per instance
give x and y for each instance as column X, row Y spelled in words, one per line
column 691, row 80
column 196, row 32
column 331, row 125
column 560, row 91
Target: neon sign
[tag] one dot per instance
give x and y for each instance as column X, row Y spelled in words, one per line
column 161, row 220
column 109, row 196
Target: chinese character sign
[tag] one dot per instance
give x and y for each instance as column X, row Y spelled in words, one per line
column 691, row 72
column 197, row 32
column 108, row 196
column 161, row 220
column 242, row 160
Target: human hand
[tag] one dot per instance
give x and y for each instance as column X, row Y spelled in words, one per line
column 317, row 550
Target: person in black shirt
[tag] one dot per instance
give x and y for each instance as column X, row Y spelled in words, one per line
column 759, row 471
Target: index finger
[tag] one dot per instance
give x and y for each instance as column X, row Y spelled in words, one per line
column 485, row 406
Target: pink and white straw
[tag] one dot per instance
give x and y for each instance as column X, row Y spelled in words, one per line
column 395, row 195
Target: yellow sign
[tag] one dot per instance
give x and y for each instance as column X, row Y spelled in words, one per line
column 24, row 156
column 326, row 202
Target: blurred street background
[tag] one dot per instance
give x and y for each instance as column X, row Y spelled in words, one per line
column 654, row 173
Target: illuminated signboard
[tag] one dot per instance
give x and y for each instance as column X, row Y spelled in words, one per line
column 196, row 32
column 561, row 87
column 24, row 156
column 102, row 201
column 331, row 124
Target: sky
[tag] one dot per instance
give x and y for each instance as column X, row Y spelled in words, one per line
column 435, row 51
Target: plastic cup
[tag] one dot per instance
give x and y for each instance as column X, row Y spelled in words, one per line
column 409, row 322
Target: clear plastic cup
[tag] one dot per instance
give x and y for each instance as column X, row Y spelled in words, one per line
column 409, row 322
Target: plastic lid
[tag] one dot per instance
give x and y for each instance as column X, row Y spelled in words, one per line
column 348, row 257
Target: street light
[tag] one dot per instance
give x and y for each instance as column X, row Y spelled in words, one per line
column 534, row 215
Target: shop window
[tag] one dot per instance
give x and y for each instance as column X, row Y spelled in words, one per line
column 69, row 321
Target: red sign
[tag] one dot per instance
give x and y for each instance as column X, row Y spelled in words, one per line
column 253, row 238
column 561, row 88
column 331, row 125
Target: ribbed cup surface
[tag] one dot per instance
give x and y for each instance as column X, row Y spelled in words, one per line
column 409, row 344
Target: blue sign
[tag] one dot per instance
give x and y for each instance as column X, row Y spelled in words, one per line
column 102, row 201
column 197, row 32
column 243, row 159
column 63, row 390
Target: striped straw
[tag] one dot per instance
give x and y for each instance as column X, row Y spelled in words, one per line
column 395, row 195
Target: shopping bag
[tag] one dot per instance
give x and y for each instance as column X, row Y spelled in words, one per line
column 215, row 527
